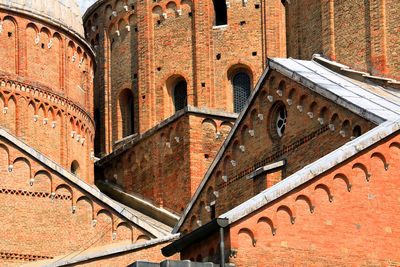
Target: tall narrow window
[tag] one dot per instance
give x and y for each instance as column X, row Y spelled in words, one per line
column 126, row 113
column 241, row 90
column 221, row 17
column 180, row 95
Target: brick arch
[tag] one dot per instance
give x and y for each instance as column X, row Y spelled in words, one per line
column 171, row 7
column 246, row 233
column 263, row 103
column 345, row 179
column 62, row 186
column 46, row 31
column 236, row 152
column 364, row 170
column 26, row 161
column 281, row 91
column 302, row 101
column 42, row 184
column 10, row 55
column 291, row 96
column 288, row 211
column 323, row 115
column 170, row 81
column 231, row 71
column 120, row 226
column 334, row 122
column 157, row 11
column 307, row 200
column 326, row 189
column 244, row 134
column 227, row 164
column 266, row 220
column 380, row 157
column 5, row 148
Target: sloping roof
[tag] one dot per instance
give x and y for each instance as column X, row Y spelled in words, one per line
column 373, row 105
column 128, row 214
column 312, row 170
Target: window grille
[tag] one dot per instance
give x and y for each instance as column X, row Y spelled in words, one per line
column 241, row 90
column 180, row 95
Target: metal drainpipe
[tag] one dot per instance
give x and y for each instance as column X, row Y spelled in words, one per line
column 222, row 245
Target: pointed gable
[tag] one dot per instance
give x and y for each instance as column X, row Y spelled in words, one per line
column 321, row 110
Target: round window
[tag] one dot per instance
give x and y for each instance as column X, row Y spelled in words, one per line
column 277, row 120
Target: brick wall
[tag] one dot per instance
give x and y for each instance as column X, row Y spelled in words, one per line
column 179, row 153
column 46, row 93
column 48, row 216
column 361, row 34
column 172, row 41
column 311, row 121
column 356, row 227
column 343, row 216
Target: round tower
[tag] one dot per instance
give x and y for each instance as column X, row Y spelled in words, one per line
column 46, row 81
column 154, row 57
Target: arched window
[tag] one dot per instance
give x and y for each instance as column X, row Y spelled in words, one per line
column 221, row 17
column 126, row 112
column 180, row 95
column 75, row 167
column 241, row 90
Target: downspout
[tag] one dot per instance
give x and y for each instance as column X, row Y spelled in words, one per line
column 222, row 246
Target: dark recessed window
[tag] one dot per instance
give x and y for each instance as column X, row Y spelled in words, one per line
column 241, row 90
column 254, row 53
column 218, row 56
column 257, row 6
column 220, row 10
column 9, row 34
column 180, row 95
column 357, row 131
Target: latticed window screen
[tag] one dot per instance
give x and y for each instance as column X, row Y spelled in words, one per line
column 180, row 95
column 241, row 90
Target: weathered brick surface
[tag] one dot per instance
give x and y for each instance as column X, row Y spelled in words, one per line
column 168, row 41
column 167, row 166
column 356, row 228
column 364, row 35
column 250, row 150
column 49, row 216
column 46, row 90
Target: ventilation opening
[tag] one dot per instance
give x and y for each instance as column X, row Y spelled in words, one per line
column 220, row 10
column 75, row 167
column 180, row 95
column 241, row 90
